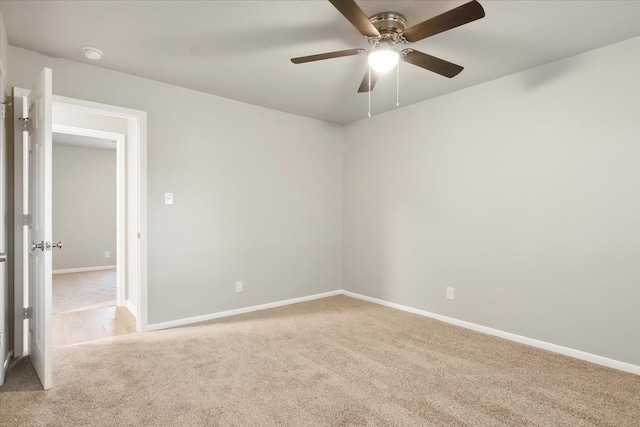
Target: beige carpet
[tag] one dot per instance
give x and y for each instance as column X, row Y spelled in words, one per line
column 331, row 362
column 79, row 291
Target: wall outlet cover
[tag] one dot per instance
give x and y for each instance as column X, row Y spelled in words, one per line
column 239, row 286
column 107, row 254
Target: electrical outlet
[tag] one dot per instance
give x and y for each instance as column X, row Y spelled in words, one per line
column 450, row 294
column 107, row 254
column 239, row 286
column 168, row 198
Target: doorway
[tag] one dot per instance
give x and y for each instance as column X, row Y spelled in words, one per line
column 89, row 298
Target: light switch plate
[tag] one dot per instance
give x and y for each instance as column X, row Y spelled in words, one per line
column 168, row 198
column 450, row 294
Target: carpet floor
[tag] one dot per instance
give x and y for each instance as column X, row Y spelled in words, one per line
column 330, row 362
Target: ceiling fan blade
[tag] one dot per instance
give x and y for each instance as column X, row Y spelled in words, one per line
column 350, row 10
column 364, row 86
column 464, row 14
column 431, row 63
column 328, row 55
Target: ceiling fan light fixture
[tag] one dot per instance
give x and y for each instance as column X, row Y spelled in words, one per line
column 383, row 59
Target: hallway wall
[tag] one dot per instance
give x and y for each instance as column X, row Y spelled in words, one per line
column 84, row 206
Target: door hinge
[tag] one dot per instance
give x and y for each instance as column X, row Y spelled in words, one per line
column 26, row 219
column 3, row 108
column 27, row 313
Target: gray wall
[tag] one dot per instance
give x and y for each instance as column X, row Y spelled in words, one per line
column 84, row 206
column 522, row 193
column 257, row 192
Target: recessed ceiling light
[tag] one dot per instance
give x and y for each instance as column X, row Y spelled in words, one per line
column 92, row 52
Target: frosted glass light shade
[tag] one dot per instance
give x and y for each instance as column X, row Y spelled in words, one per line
column 383, row 60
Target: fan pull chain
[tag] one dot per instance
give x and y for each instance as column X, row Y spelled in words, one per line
column 398, row 85
column 369, row 92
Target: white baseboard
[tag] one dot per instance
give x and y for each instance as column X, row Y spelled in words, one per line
column 83, row 269
column 578, row 354
column 131, row 307
column 211, row 316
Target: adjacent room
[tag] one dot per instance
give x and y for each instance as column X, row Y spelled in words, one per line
column 85, row 301
column 322, row 213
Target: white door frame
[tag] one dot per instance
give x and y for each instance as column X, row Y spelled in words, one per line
column 121, row 165
column 20, row 337
column 136, row 197
column 5, row 230
column 136, row 170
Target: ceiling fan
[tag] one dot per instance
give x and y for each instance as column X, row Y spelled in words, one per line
column 385, row 30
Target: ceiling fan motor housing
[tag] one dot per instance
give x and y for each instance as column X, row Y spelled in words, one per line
column 389, row 24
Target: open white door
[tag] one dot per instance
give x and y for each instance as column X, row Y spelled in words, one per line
column 37, row 140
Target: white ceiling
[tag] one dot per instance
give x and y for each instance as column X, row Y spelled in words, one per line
column 241, row 49
column 83, row 141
